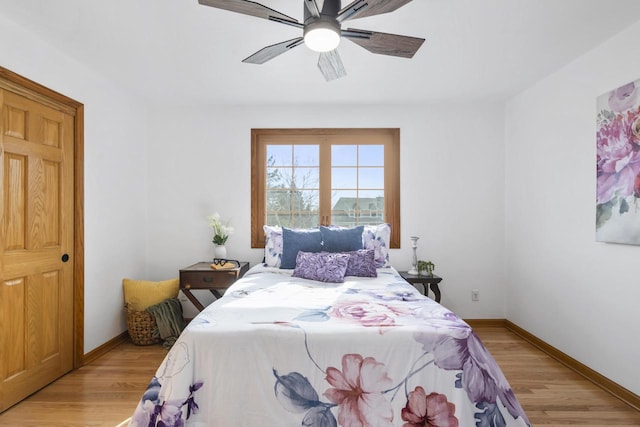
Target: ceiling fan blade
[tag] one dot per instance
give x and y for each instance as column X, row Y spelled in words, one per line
column 313, row 7
column 267, row 53
column 362, row 8
column 383, row 43
column 248, row 8
column 331, row 66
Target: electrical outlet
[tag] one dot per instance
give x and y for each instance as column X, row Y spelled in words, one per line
column 475, row 295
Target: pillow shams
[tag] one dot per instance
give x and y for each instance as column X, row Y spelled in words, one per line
column 272, row 245
column 341, row 239
column 321, row 266
column 294, row 241
column 374, row 237
column 377, row 237
column 362, row 263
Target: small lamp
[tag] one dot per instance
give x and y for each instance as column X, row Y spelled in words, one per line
column 414, row 262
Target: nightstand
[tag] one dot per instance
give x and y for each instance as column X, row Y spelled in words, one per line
column 431, row 280
column 202, row 276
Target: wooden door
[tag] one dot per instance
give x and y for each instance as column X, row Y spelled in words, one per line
column 36, row 245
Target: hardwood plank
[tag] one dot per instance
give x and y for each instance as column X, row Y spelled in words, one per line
column 600, row 380
column 105, row 348
column 549, row 392
column 106, row 391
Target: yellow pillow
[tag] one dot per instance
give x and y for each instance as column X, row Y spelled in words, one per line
column 140, row 294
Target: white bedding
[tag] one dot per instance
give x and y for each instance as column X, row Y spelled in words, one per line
column 279, row 351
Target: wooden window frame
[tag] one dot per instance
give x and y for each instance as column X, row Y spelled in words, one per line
column 391, row 174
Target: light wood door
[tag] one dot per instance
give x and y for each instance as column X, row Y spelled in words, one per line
column 36, row 245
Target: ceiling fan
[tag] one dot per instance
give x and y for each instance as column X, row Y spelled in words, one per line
column 322, row 30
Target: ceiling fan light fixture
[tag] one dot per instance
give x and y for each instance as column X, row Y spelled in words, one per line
column 322, row 36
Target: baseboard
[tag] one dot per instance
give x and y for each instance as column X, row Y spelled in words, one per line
column 487, row 323
column 105, row 348
column 627, row 396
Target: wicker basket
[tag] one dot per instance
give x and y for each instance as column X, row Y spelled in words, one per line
column 142, row 327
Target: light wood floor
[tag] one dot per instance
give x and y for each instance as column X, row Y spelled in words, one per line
column 106, row 392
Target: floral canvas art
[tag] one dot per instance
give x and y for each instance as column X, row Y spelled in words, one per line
column 618, row 165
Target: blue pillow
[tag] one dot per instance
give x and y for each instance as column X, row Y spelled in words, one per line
column 294, row 241
column 342, row 239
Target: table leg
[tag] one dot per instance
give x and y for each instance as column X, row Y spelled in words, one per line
column 426, row 289
column 193, row 299
column 215, row 293
column 436, row 291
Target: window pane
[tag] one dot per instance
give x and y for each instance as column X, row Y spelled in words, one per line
column 305, row 200
column 342, row 200
column 373, row 194
column 352, row 208
column 344, row 155
column 289, row 220
column 306, row 155
column 279, row 178
column 371, row 177
column 278, row 202
column 371, row 155
column 344, row 206
column 344, row 178
column 306, row 178
column 305, row 220
column 279, row 155
column 371, row 204
column 296, row 208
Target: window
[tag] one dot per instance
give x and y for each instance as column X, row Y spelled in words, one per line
column 303, row 178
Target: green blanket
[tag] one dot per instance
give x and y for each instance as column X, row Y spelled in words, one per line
column 169, row 319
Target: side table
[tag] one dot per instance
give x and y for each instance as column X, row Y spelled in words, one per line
column 202, row 276
column 432, row 281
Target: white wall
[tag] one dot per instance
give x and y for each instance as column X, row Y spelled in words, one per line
column 579, row 295
column 115, row 172
column 452, row 190
column 452, row 180
column 561, row 285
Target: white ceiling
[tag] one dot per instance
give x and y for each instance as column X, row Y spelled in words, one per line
column 180, row 52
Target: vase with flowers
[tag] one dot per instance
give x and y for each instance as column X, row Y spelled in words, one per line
column 221, row 232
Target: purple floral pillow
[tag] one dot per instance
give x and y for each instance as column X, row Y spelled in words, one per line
column 362, row 263
column 321, row 266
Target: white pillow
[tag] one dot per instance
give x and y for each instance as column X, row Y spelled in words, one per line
column 377, row 237
column 272, row 245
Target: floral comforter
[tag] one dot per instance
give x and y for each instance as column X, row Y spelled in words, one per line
column 281, row 351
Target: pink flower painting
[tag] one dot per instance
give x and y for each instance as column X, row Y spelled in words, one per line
column 618, row 165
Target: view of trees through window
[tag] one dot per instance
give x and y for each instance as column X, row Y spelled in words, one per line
column 302, row 180
column 293, row 185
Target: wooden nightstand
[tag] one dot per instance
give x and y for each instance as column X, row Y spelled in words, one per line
column 431, row 280
column 202, row 276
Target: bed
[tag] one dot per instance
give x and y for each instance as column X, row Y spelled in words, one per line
column 282, row 350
